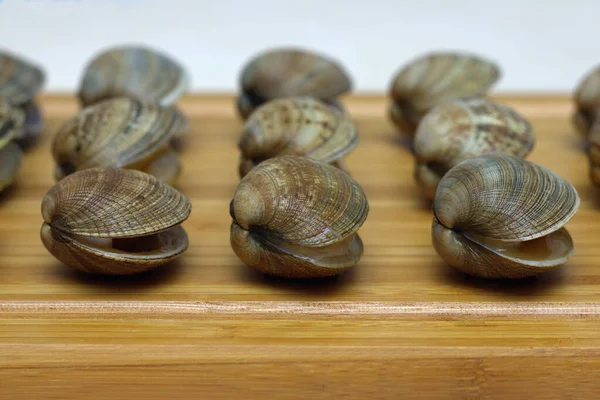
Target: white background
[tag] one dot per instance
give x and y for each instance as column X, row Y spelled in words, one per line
column 542, row 45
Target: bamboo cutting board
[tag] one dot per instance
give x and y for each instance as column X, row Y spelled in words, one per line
column 400, row 325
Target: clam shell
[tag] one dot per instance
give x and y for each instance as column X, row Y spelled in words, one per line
column 587, row 101
column 113, row 203
column 474, row 259
column 11, row 159
column 587, row 92
column 504, row 197
column 462, row 129
column 92, row 259
column 286, row 72
column 274, row 259
column 11, row 122
column 298, row 126
column 300, row 201
column 120, row 132
column 20, row 79
column 439, row 77
column 594, row 153
column 133, row 71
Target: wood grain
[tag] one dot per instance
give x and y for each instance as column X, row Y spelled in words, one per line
column 400, row 325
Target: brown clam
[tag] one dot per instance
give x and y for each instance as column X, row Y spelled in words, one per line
column 139, row 72
column 434, row 79
column 461, row 129
column 20, row 81
column 120, row 132
column 298, row 218
column 499, row 216
column 300, row 126
column 114, row 221
column 587, row 102
column 594, row 152
column 287, row 72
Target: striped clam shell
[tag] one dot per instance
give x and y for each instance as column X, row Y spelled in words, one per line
column 298, row 218
column 505, row 198
column 436, row 78
column 113, row 203
column 133, row 71
column 118, row 132
column 301, row 126
column 285, row 72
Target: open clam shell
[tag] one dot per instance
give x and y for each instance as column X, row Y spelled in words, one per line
column 503, row 217
column 114, row 221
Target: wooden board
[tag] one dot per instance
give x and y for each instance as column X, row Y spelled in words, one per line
column 400, row 325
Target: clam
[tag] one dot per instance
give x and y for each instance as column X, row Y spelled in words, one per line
column 298, row 218
column 434, row 79
column 594, row 152
column 286, row 72
column 499, row 216
column 461, row 129
column 20, row 81
column 11, row 157
column 587, row 101
column 123, row 133
column 300, row 126
column 114, row 221
column 133, row 71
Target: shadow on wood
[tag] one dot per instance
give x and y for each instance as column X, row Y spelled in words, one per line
column 402, row 140
column 310, row 287
column 530, row 286
column 162, row 275
column 9, row 193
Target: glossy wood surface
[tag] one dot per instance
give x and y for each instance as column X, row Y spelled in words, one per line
column 401, row 324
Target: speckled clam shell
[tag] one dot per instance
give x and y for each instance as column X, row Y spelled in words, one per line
column 505, row 198
column 462, row 129
column 113, row 203
column 437, row 78
column 289, row 72
column 119, row 132
column 298, row 126
column 20, row 79
column 133, row 71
